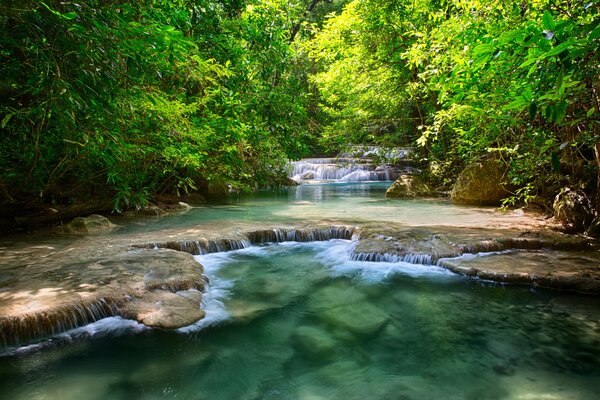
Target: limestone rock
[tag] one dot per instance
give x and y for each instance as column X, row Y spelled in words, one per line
column 89, row 225
column 573, row 209
column 409, row 186
column 163, row 309
column 314, row 342
column 362, row 319
column 480, row 184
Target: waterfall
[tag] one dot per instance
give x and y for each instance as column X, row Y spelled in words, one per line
column 410, row 258
column 340, row 170
column 23, row 329
column 275, row 235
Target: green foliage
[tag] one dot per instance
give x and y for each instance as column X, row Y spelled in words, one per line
column 516, row 81
column 134, row 99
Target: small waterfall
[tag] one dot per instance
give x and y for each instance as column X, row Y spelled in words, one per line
column 340, row 170
column 276, row 235
column 410, row 258
column 279, row 235
column 202, row 246
column 16, row 331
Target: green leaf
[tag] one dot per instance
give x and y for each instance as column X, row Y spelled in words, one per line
column 595, row 33
column 532, row 111
column 69, row 16
column 557, row 49
column 548, row 21
column 6, row 119
column 559, row 112
column 555, row 162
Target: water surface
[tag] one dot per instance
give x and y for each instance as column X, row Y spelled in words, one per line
column 302, row 321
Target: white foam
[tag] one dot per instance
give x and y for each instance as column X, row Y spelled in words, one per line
column 338, row 259
column 471, row 256
column 112, row 326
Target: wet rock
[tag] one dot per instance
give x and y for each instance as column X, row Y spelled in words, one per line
column 92, row 224
column 480, row 184
column 313, row 342
column 573, row 209
column 244, row 311
column 409, row 186
column 163, row 309
column 362, row 319
column 335, row 296
column 140, row 285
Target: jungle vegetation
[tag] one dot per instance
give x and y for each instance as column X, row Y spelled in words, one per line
column 129, row 100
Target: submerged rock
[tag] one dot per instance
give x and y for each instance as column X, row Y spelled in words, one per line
column 314, row 342
column 481, row 183
column 409, row 186
column 92, row 224
column 362, row 319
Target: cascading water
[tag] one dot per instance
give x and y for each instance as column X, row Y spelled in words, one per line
column 340, row 170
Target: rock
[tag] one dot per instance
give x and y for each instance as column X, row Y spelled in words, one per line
column 89, row 225
column 183, row 206
column 163, row 309
column 314, row 342
column 152, row 210
column 573, row 209
column 308, row 176
column 157, row 287
column 335, row 296
column 410, row 186
column 480, row 184
column 594, row 228
column 362, row 319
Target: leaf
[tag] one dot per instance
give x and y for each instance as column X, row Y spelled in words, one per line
column 69, row 16
column 557, row 49
column 6, row 119
column 532, row 111
column 595, row 33
column 559, row 112
column 590, row 112
column 548, row 21
column 555, row 162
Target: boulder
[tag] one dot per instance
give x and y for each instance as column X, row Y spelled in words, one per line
column 594, row 229
column 573, row 209
column 314, row 342
column 409, row 186
column 480, row 184
column 361, row 319
column 93, row 224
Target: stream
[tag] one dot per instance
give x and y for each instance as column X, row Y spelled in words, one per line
column 307, row 321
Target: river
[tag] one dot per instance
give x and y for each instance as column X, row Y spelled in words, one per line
column 307, row 321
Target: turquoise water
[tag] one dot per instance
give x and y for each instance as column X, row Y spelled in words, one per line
column 302, row 321
column 344, row 203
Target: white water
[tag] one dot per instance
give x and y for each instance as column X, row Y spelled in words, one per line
column 340, row 170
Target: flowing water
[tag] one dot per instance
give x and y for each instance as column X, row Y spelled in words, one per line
column 305, row 321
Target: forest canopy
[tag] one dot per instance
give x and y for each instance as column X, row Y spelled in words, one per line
column 129, row 100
